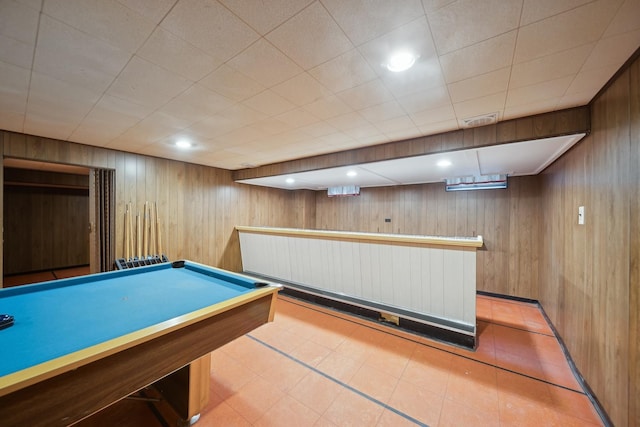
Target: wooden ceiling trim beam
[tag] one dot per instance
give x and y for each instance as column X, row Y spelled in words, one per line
column 557, row 123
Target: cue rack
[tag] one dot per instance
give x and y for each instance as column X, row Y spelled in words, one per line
column 142, row 243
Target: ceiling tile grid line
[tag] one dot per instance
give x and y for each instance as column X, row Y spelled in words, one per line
column 253, row 83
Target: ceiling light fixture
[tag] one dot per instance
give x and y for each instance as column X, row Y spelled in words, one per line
column 401, row 61
column 183, row 143
column 444, row 163
column 352, row 173
column 290, row 180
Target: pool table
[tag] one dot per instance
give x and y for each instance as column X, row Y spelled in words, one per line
column 79, row 344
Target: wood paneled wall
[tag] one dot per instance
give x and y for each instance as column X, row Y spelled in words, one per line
column 589, row 274
column 198, row 206
column 508, row 221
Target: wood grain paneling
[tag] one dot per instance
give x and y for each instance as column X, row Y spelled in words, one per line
column 589, row 276
column 574, row 120
column 198, row 206
column 508, row 220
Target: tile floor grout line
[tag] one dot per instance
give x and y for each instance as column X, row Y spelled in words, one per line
column 447, row 351
column 484, row 319
column 340, row 383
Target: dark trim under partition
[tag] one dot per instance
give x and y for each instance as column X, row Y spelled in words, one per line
column 416, row 323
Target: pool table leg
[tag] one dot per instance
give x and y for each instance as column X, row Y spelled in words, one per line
column 187, row 389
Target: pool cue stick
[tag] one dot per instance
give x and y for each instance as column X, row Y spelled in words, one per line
column 152, row 230
column 139, row 235
column 126, row 234
column 146, row 230
column 159, row 240
column 131, row 233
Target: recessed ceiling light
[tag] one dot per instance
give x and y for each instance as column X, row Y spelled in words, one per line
column 401, row 61
column 290, row 180
column 352, row 173
column 444, row 163
column 183, row 143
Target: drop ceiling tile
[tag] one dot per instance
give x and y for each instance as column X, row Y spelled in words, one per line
column 265, row 64
column 538, row 92
column 243, row 135
column 570, row 29
column 265, row 16
column 269, row 103
column 537, row 107
column 423, row 76
column 311, row 37
column 366, row 95
column 626, row 19
column 537, row 10
column 54, row 98
column 614, row 50
column 439, row 127
column 154, row 10
column 365, row 131
column 479, row 86
column 424, row 100
column 196, row 103
column 211, row 27
column 574, row 99
column 318, row 129
column 242, row 114
column 107, row 20
column 483, row 57
column 380, row 112
column 232, row 84
column 467, row 22
column 395, row 124
column 14, row 86
column 434, row 115
column 215, row 126
column 15, row 52
column 348, row 121
column 302, row 89
column 44, row 124
column 147, row 84
column 19, row 22
column 107, row 120
column 75, row 57
column 550, row 67
column 328, row 107
column 401, row 134
column 364, row 20
column 176, row 55
column 297, row 118
column 344, row 72
column 592, row 80
column 476, row 107
column 271, row 126
column 431, row 5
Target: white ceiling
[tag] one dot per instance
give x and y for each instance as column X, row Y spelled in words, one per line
column 516, row 159
column 255, row 82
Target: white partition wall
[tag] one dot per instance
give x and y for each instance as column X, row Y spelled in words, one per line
column 426, row 279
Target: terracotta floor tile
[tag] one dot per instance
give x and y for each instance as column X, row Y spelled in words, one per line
column 324, row 422
column 311, row 353
column 456, row 414
column 285, row 375
column 560, row 375
column 339, row 367
column 316, row 391
column 573, row 404
column 222, row 415
column 288, row 412
column 254, row 399
column 473, row 384
column 528, row 365
column 374, row 382
column 227, row 375
column 392, row 419
column 417, row 402
column 351, row 409
column 241, row 347
column 355, row 349
column 388, row 361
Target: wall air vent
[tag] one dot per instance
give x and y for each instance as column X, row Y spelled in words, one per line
column 485, row 119
column 483, row 182
column 346, row 190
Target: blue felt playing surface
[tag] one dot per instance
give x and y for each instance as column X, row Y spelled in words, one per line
column 57, row 318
